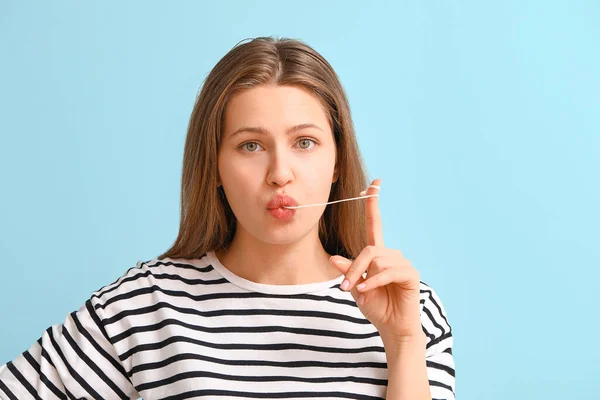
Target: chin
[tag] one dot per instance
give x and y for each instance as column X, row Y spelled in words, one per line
column 272, row 231
column 282, row 235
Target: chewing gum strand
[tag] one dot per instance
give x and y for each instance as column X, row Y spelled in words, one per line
column 371, row 186
column 362, row 196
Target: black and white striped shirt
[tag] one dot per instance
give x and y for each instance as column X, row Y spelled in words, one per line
column 184, row 329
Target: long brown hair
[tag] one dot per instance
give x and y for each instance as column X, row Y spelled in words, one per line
column 207, row 222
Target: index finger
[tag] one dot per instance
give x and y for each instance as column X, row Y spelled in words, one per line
column 374, row 226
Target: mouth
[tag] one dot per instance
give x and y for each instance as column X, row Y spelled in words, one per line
column 280, row 201
column 282, row 214
column 277, row 204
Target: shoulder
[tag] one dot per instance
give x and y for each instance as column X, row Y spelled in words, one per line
column 148, row 277
column 440, row 342
column 434, row 319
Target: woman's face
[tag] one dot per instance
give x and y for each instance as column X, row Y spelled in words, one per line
column 259, row 159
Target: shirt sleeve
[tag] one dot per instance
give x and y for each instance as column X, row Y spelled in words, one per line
column 439, row 358
column 72, row 360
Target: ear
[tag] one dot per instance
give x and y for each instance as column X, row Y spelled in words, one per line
column 335, row 175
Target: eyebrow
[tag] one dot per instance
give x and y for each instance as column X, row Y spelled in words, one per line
column 264, row 131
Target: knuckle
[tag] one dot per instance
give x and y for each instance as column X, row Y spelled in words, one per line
column 416, row 273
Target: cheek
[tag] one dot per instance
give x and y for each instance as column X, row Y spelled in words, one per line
column 239, row 180
column 321, row 170
column 231, row 171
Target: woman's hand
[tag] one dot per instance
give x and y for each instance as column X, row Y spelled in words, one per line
column 389, row 296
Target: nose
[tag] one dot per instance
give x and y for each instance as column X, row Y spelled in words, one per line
column 279, row 169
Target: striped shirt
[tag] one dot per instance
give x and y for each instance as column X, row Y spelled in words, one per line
column 190, row 328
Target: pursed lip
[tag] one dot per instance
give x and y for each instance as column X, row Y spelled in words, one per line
column 281, row 200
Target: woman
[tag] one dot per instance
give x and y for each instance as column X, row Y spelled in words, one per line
column 267, row 291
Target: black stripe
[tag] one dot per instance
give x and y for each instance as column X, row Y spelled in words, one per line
column 280, row 395
column 73, row 373
column 262, row 347
column 430, row 294
column 182, row 265
column 242, row 329
column 440, row 384
column 12, row 368
column 216, row 296
column 439, row 339
column 98, row 348
column 43, row 376
column 261, row 363
column 151, row 289
column 104, row 290
column 99, row 292
column 206, row 374
column 429, row 335
column 441, row 367
column 93, row 366
column 49, row 361
column 96, row 319
column 47, row 357
column 433, row 321
column 6, row 390
column 72, row 396
column 217, row 313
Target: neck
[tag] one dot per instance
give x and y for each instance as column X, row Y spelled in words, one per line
column 301, row 262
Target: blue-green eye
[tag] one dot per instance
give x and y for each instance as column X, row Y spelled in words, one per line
column 306, row 140
column 250, row 143
column 304, row 144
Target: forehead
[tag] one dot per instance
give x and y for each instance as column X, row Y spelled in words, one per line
column 274, row 108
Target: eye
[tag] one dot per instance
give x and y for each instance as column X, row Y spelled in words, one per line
column 250, row 146
column 305, row 143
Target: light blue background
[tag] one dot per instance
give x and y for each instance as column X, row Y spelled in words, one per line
column 482, row 119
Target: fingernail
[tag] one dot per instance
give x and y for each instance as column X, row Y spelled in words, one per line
column 345, row 285
column 361, row 299
column 361, row 286
column 363, row 193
